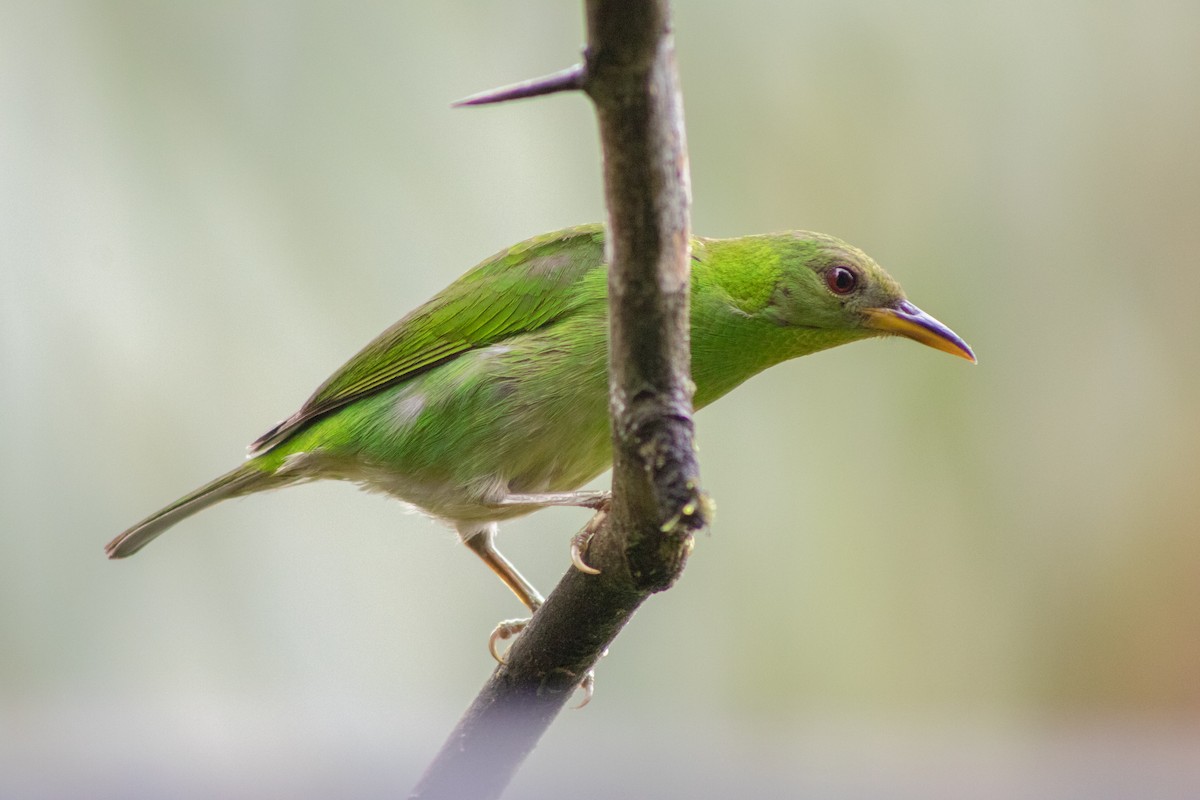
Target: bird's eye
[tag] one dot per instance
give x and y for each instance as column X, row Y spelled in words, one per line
column 841, row 280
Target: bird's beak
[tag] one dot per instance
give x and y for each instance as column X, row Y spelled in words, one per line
column 905, row 319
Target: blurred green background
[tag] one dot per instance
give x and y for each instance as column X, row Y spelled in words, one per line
column 924, row 580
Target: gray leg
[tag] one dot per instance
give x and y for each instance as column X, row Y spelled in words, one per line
column 597, row 501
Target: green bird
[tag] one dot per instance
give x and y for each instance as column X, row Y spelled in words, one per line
column 491, row 400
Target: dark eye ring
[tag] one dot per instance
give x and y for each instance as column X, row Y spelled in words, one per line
column 841, row 280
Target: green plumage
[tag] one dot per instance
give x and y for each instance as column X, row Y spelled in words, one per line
column 498, row 385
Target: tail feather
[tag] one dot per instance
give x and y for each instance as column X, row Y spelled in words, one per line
column 231, row 484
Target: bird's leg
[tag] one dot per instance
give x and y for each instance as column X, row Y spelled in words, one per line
column 597, row 500
column 482, row 542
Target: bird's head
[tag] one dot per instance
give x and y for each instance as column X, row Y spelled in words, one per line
column 827, row 284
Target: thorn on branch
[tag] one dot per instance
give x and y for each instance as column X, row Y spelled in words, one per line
column 567, row 80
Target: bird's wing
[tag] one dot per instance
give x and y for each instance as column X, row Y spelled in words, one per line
column 516, row 291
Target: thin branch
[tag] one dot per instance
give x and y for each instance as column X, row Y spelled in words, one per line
column 641, row 548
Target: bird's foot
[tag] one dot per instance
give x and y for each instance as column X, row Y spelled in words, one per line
column 506, row 630
column 588, row 687
column 510, row 628
column 581, row 540
column 588, row 684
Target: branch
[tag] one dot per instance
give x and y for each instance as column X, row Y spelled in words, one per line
column 630, row 75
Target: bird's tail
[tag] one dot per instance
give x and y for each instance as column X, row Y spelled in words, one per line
column 247, row 478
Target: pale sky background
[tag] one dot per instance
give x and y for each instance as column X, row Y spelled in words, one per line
column 925, row 579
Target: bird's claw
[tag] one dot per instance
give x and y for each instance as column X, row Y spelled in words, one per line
column 503, row 632
column 581, row 540
column 578, row 543
column 588, row 685
column 510, row 628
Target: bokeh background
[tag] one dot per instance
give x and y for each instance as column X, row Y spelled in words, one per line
column 925, row 579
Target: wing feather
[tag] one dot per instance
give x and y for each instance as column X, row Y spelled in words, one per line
column 517, row 291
